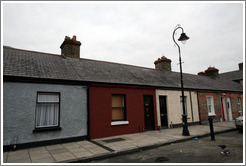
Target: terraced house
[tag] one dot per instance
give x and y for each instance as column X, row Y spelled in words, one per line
column 51, row 98
column 223, row 103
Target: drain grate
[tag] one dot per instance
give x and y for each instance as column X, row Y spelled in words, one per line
column 113, row 140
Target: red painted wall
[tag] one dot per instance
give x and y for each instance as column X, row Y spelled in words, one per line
column 100, row 102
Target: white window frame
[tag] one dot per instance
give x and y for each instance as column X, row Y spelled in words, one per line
column 181, row 104
column 57, row 103
column 239, row 105
column 210, row 105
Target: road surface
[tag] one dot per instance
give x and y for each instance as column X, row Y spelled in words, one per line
column 194, row 151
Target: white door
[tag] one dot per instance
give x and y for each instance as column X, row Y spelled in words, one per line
column 223, row 105
column 229, row 108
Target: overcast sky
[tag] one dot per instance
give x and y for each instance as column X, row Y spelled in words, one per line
column 135, row 33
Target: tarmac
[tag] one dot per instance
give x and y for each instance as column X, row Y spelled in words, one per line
column 88, row 150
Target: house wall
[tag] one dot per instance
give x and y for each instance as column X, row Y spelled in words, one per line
column 174, row 107
column 19, row 106
column 100, row 103
column 202, row 97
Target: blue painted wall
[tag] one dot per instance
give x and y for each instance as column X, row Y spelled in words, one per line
column 19, row 106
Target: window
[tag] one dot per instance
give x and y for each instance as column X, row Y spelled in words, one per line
column 181, row 104
column 210, row 105
column 47, row 110
column 118, row 108
column 239, row 105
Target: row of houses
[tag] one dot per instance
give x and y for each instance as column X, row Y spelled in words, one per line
column 51, row 98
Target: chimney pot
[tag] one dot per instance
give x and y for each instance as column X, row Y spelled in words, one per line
column 74, row 38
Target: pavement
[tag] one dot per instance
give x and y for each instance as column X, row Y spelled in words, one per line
column 88, row 150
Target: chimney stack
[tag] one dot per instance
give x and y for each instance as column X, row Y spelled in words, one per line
column 163, row 64
column 240, row 65
column 210, row 72
column 201, row 73
column 70, row 47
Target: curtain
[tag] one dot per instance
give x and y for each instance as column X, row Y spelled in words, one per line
column 47, row 110
column 118, row 107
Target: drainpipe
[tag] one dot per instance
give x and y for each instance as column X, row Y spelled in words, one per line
column 191, row 106
column 88, row 112
column 197, row 94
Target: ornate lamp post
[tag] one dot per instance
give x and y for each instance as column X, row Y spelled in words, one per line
column 183, row 39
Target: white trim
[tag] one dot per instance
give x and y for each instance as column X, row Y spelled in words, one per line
column 212, row 113
column 119, row 123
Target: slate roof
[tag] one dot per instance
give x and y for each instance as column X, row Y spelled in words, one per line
column 233, row 75
column 30, row 64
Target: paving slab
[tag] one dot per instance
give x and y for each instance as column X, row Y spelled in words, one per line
column 64, row 157
column 52, row 147
column 57, row 151
column 38, row 150
column 40, row 156
column 70, row 145
column 77, row 150
column 21, row 160
column 18, row 155
column 5, row 155
column 44, row 160
column 81, row 151
column 83, row 154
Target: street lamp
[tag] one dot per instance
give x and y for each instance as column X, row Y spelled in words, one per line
column 183, row 39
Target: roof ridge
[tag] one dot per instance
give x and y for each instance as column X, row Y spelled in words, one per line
column 30, row 50
column 80, row 58
column 117, row 63
column 231, row 71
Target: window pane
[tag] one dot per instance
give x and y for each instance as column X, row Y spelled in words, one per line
column 117, row 101
column 209, row 100
column 117, row 114
column 118, row 108
column 48, row 97
column 209, row 109
column 47, row 115
column 239, row 107
column 210, row 105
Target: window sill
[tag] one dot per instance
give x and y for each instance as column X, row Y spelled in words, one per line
column 119, row 123
column 46, row 129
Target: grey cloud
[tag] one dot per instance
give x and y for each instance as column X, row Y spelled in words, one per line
column 132, row 33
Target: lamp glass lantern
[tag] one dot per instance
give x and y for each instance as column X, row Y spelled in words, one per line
column 183, row 38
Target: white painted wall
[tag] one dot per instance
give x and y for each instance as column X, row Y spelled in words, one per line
column 174, row 106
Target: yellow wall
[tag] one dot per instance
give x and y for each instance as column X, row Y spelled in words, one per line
column 174, row 106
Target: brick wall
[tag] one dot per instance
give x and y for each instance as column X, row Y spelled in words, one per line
column 71, row 51
column 202, row 101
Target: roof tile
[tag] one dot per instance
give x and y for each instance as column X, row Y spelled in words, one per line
column 25, row 63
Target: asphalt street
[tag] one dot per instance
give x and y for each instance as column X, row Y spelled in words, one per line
column 193, row 151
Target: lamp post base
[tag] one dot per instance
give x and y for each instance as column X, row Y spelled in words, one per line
column 185, row 127
column 210, row 119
